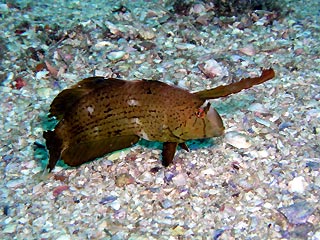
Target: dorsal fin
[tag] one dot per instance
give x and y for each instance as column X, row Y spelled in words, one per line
column 223, row 91
column 66, row 99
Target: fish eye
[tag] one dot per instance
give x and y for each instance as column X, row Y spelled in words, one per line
column 200, row 113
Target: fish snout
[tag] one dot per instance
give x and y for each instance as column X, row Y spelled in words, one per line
column 214, row 126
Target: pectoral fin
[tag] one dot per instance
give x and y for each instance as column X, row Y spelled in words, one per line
column 184, row 146
column 78, row 154
column 168, row 151
column 54, row 145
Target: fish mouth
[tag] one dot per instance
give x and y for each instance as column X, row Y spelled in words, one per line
column 217, row 132
column 221, row 131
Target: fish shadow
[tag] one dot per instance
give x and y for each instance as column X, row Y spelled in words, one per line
column 192, row 144
column 41, row 154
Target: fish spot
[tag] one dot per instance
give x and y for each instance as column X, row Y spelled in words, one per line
column 144, row 135
column 109, row 109
column 96, row 130
column 136, row 121
column 90, row 110
column 133, row 102
column 117, row 132
column 149, row 91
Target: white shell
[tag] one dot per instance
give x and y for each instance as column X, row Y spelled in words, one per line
column 116, row 55
column 212, row 68
column 238, row 140
column 248, row 50
column 258, row 107
column 298, row 185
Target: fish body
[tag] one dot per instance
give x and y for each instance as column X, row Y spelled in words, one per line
column 97, row 116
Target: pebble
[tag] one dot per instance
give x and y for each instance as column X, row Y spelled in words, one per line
column 284, row 125
column 179, row 180
column 124, row 179
column 263, row 154
column 317, row 97
column 166, row 203
column 37, row 189
column 108, row 199
column 146, row 177
column 14, row 183
column 217, row 233
column 313, row 164
column 6, row 210
column 247, row 184
column 44, row 92
column 168, row 176
column 116, row 55
column 258, row 107
column 209, row 171
column 301, row 231
column 297, row 185
column 316, row 236
column 145, row 45
column 146, row 34
column 238, row 140
column 178, row 231
column 248, row 50
column 159, row 178
column 297, row 213
column 115, row 205
column 4, row 7
column 313, row 113
column 10, row 228
column 42, row 74
column 212, row 68
column 64, row 237
column 262, row 121
column 5, row 89
column 58, row 190
column 198, row 8
column 117, row 154
column 102, row 226
column 268, row 205
column 120, row 214
column 185, row 46
column 102, row 44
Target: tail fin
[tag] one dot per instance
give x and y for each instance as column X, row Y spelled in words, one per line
column 223, row 91
column 54, row 145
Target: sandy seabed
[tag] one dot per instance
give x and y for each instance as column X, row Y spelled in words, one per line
column 261, row 180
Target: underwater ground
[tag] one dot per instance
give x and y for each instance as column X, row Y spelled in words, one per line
column 261, row 180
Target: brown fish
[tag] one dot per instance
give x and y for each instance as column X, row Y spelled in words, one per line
column 97, row 116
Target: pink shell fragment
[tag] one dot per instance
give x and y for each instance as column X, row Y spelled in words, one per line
column 58, row 190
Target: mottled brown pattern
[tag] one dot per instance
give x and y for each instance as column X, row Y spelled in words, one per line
column 98, row 116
